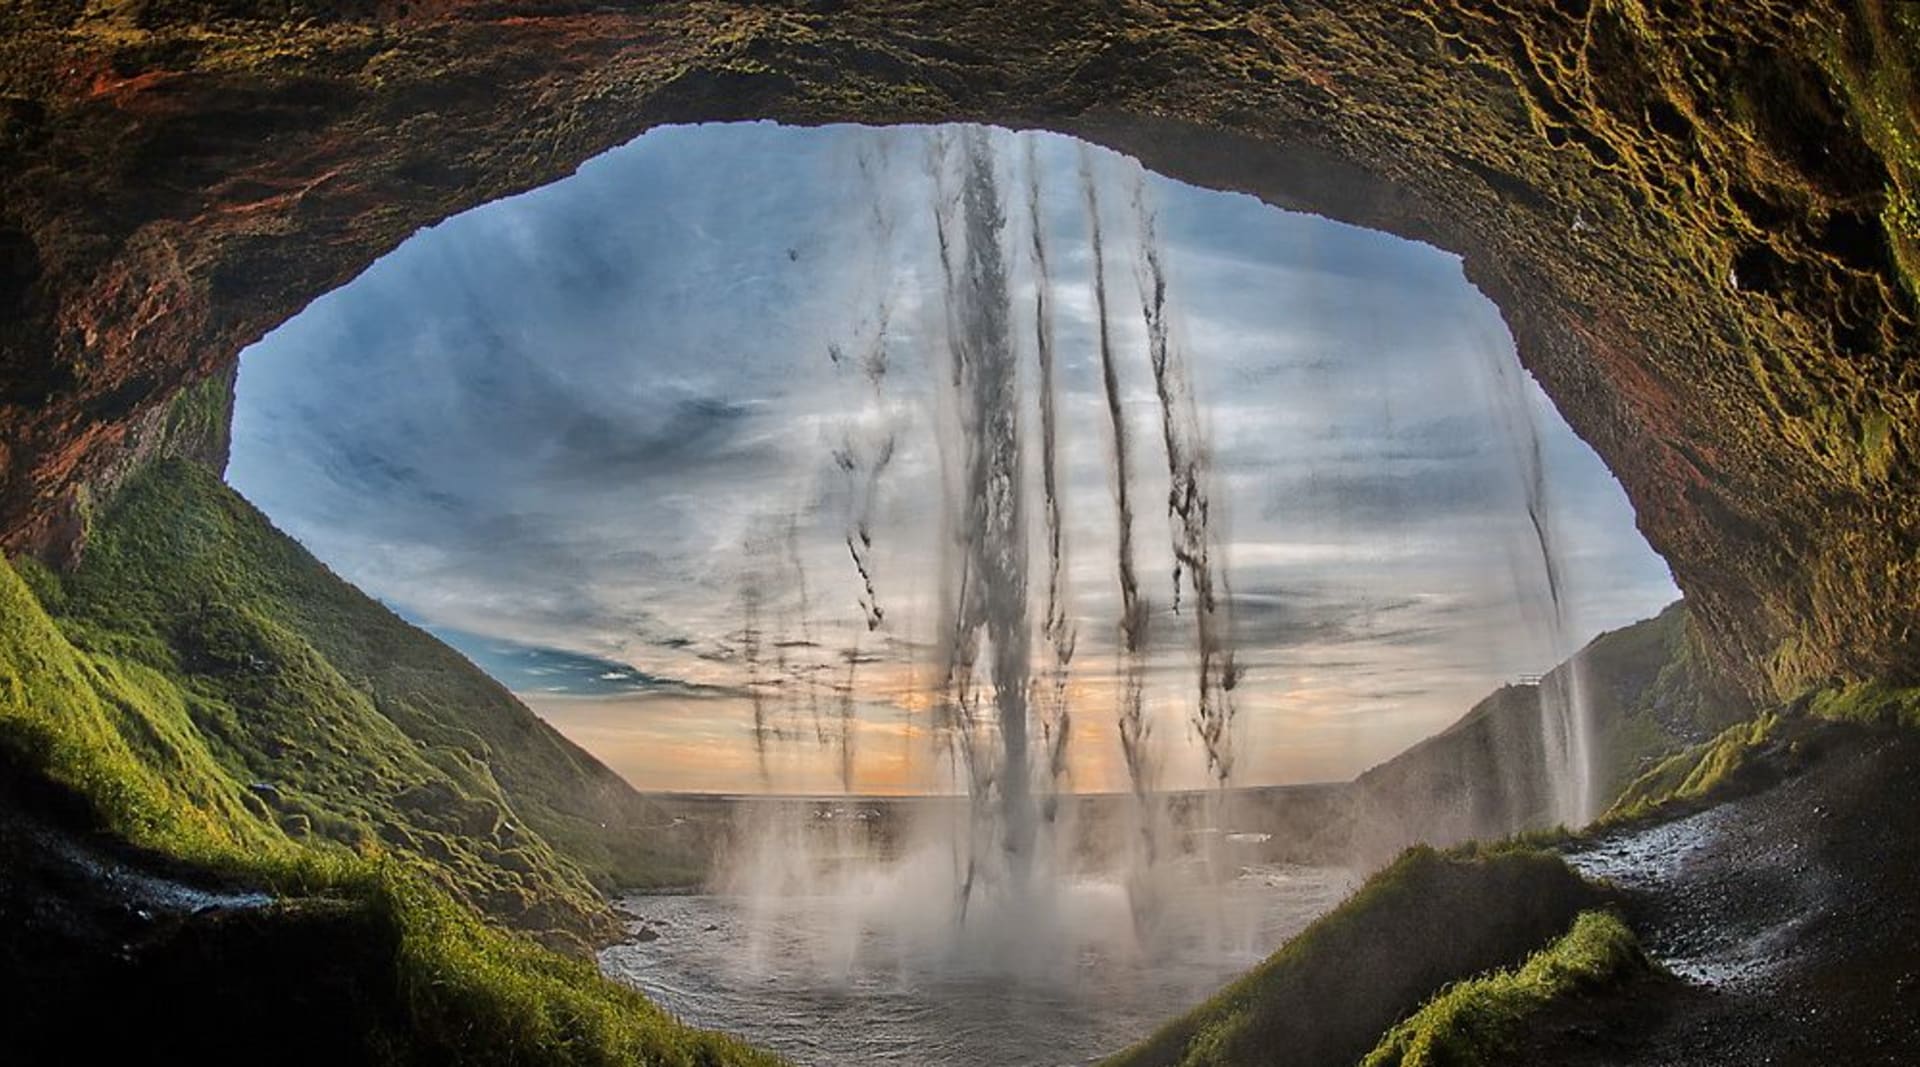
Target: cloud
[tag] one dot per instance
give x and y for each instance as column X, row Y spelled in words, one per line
column 575, row 428
column 557, row 672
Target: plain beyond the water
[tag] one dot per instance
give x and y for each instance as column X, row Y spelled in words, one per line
column 831, row 979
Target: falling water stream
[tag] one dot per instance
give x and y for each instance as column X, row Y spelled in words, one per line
column 1000, row 925
column 1565, row 719
column 1003, row 718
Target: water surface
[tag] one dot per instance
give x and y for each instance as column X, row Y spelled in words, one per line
column 847, row 978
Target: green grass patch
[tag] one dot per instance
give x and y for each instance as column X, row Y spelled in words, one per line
column 1477, row 1021
column 331, row 718
column 118, row 735
column 476, row 994
column 1428, row 919
column 1695, row 774
column 1868, row 704
column 154, row 714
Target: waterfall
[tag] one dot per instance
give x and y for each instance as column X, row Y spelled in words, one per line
column 1565, row 720
column 1006, row 632
column 1188, row 505
column 1134, row 611
column 990, row 536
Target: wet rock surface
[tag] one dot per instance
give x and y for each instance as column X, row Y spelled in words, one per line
column 108, row 955
column 1789, row 920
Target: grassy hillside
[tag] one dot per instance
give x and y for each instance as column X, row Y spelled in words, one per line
column 1651, row 690
column 1477, row 1022
column 189, row 716
column 325, row 717
column 1752, row 753
column 1326, row 996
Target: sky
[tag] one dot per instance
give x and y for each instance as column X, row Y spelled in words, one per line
column 611, row 438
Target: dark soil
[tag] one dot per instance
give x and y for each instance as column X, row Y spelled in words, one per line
column 111, row 956
column 1789, row 918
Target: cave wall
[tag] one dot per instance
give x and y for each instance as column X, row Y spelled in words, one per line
column 1699, row 220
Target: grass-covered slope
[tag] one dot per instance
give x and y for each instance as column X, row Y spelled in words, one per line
column 164, row 705
column 1752, row 753
column 1697, row 773
column 1651, row 689
column 323, row 716
column 1326, row 997
column 1477, row 1023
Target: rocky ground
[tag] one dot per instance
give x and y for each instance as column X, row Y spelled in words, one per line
column 1789, row 921
column 111, row 955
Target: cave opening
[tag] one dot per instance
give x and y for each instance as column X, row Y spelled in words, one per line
column 669, row 448
column 252, row 813
column 687, row 311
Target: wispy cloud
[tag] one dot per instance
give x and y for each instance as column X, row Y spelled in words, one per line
column 568, row 430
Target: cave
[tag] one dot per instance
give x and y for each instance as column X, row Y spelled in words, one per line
column 176, row 187
column 1697, row 225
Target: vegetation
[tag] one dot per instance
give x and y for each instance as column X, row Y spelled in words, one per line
column 1428, row 919
column 1870, row 704
column 1871, row 67
column 329, row 718
column 1652, row 689
column 1732, row 759
column 1649, row 690
column 181, row 697
column 1760, row 161
column 474, row 994
column 1476, row 1021
column 1699, row 773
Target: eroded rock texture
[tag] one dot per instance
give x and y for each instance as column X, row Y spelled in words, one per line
column 1700, row 219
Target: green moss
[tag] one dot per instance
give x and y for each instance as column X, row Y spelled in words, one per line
column 1875, row 72
column 1652, row 690
column 1697, row 773
column 1871, row 703
column 124, row 738
column 1476, row 1022
column 1428, row 919
column 199, row 419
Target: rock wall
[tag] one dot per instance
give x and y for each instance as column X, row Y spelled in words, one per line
column 1702, row 228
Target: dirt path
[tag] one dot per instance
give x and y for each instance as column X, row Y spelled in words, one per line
column 1790, row 920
